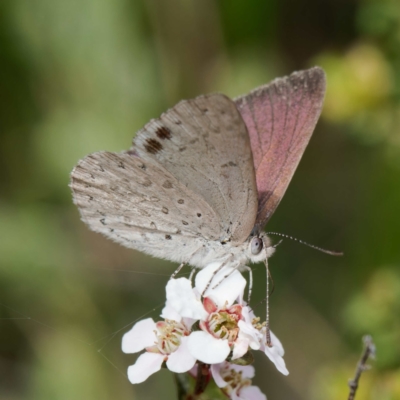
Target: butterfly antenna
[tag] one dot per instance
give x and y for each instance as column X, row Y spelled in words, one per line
column 330, row 252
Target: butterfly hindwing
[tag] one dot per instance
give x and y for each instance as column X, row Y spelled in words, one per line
column 280, row 118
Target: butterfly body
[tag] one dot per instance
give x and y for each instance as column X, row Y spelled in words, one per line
column 201, row 181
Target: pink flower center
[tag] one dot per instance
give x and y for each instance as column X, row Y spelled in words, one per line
column 224, row 325
column 169, row 336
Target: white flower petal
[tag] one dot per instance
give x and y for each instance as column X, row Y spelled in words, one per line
column 146, row 365
column 188, row 322
column 182, row 298
column 277, row 343
column 193, row 371
column 251, row 393
column 181, row 360
column 240, row 348
column 215, row 372
column 228, row 289
column 207, row 348
column 246, row 314
column 273, row 354
column 252, row 334
column 247, row 371
column 168, row 312
column 140, row 336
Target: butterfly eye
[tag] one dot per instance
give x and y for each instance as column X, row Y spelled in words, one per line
column 256, row 245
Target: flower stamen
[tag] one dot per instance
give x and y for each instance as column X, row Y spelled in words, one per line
column 169, row 335
column 234, row 379
column 223, row 324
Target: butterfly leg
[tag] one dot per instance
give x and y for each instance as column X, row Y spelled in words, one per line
column 268, row 331
column 185, row 263
column 192, row 274
column 226, row 276
column 215, row 273
column 250, row 271
column 177, row 270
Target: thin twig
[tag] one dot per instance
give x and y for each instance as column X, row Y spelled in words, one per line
column 369, row 351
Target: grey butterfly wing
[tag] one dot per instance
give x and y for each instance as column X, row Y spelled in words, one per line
column 280, row 118
column 204, row 143
column 189, row 179
column 141, row 205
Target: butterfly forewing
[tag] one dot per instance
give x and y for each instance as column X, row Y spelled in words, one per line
column 204, row 144
column 280, row 118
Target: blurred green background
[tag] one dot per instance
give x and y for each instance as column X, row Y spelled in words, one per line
column 82, row 76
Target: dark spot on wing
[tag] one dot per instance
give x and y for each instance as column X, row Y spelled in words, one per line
column 199, row 215
column 101, row 168
column 132, row 152
column 183, row 148
column 185, row 223
column 142, row 166
column 167, row 185
column 111, row 230
column 144, row 213
column 103, row 221
column 153, row 146
column 146, row 182
column 165, row 210
column 168, row 237
column 90, row 197
column 178, row 122
column 163, row 132
column 181, row 201
column 229, row 164
column 121, row 165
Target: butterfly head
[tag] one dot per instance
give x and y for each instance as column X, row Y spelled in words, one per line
column 260, row 247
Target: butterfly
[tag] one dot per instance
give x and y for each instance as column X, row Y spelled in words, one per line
column 200, row 182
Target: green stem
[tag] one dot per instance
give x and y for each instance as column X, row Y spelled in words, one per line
column 183, row 386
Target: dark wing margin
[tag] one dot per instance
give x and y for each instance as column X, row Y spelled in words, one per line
column 280, row 118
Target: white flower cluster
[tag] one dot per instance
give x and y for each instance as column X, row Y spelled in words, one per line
column 211, row 330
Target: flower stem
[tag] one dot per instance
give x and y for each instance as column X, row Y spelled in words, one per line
column 202, row 379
